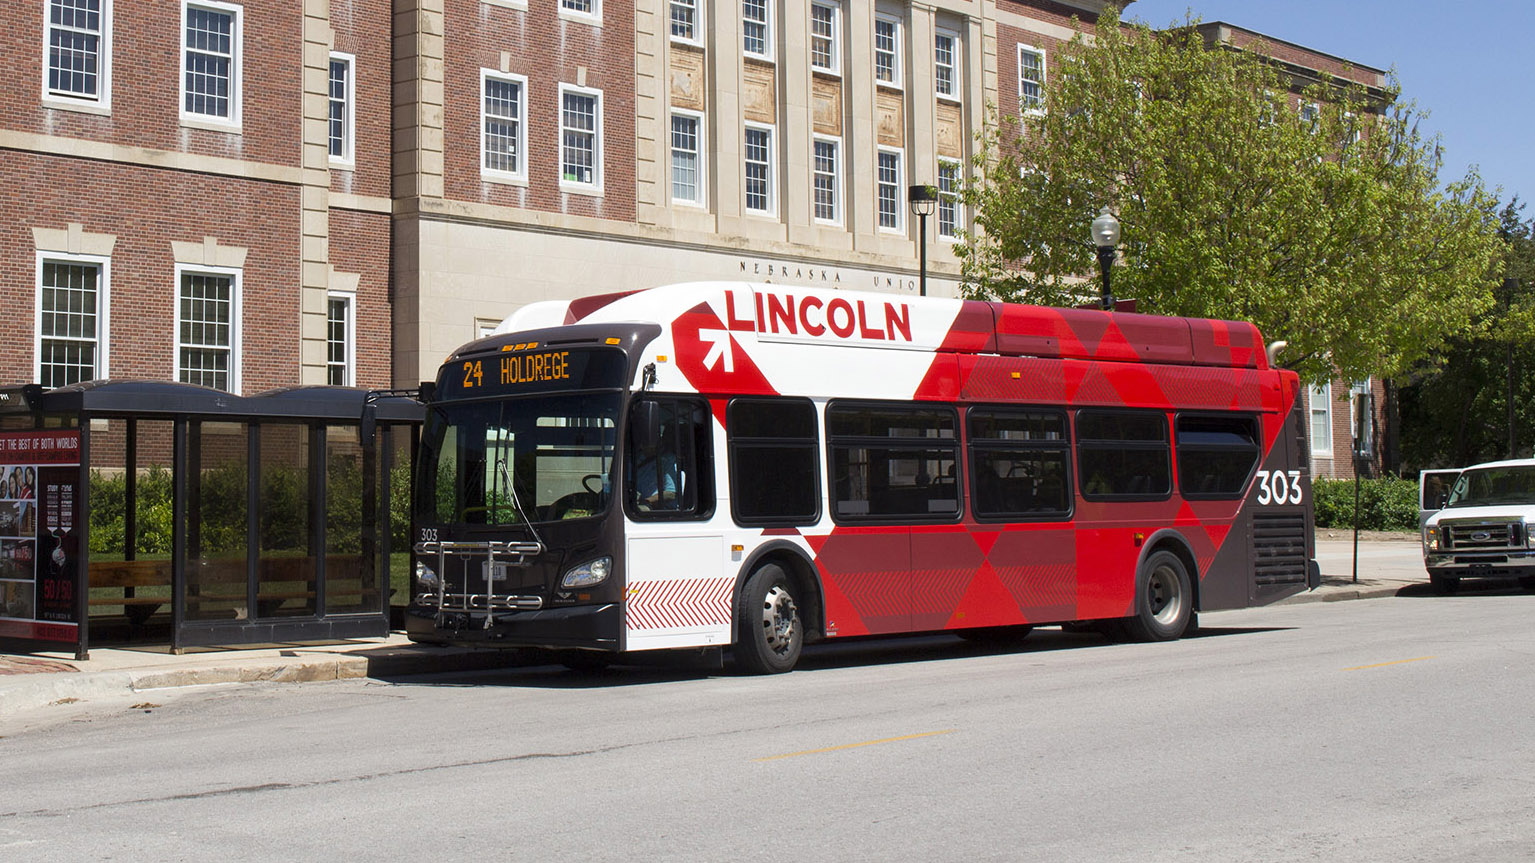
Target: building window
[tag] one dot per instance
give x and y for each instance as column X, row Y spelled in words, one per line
column 211, row 62
column 207, row 328
column 759, row 170
column 756, row 28
column 950, row 212
column 685, row 20
column 1031, row 79
column 584, row 8
column 340, row 339
column 887, row 51
column 1321, row 420
column 72, row 311
column 341, row 107
column 580, row 138
column 825, row 25
column 79, row 52
column 889, row 190
column 687, row 158
column 946, row 65
column 825, row 180
column 502, row 104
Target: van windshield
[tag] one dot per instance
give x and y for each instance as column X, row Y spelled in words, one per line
column 1494, row 485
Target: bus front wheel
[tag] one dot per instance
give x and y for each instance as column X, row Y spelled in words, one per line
column 1164, row 600
column 769, row 631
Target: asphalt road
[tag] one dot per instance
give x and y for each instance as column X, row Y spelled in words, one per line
column 1390, row 729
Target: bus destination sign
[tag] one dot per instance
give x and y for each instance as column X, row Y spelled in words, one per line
column 530, row 371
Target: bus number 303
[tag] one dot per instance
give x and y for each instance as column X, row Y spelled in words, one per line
column 1278, row 487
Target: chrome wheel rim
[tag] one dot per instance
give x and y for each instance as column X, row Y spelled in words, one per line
column 780, row 619
column 1164, row 595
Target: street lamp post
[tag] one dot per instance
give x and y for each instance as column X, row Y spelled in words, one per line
column 1105, row 237
column 922, row 200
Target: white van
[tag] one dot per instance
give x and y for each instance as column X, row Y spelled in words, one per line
column 1483, row 527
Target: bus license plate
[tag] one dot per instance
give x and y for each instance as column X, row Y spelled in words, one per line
column 494, row 572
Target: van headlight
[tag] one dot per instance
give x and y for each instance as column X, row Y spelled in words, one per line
column 588, row 574
column 1431, row 537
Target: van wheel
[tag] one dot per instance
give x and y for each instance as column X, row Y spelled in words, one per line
column 769, row 631
column 1164, row 600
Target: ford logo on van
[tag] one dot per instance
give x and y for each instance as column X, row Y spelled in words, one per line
column 1481, row 536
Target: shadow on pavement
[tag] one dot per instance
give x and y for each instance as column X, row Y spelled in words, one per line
column 541, row 673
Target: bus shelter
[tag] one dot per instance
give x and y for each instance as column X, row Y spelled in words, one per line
column 150, row 510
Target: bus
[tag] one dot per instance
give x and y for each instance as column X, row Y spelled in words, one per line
column 756, row 467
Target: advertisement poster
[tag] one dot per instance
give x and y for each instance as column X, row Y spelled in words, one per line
column 39, row 536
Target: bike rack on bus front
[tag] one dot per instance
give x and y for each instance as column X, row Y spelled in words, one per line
column 515, row 554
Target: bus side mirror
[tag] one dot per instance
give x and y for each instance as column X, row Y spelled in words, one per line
column 645, row 426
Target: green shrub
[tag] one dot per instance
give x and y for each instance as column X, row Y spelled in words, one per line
column 1387, row 503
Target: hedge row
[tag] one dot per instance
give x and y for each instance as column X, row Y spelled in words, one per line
column 1387, row 503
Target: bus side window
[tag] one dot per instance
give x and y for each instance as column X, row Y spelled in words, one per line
column 668, row 460
column 774, row 461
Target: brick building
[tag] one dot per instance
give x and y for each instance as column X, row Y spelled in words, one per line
column 259, row 194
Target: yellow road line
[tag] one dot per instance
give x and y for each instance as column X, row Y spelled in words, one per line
column 1384, row 664
column 856, row 745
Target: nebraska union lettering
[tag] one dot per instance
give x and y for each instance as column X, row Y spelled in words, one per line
column 786, row 314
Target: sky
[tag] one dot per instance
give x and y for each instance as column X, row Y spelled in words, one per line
column 1464, row 63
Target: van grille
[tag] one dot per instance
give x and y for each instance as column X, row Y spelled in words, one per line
column 1279, row 548
column 1469, row 535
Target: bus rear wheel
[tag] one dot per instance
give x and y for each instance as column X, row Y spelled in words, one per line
column 1164, row 600
column 769, row 631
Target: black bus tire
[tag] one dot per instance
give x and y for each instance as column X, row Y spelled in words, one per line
column 1164, row 599
column 769, row 630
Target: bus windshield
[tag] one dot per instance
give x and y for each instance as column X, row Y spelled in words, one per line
column 1494, row 485
column 536, row 458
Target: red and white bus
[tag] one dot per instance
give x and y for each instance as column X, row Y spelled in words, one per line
column 759, row 466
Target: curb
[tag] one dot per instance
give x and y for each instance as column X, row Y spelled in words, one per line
column 1342, row 595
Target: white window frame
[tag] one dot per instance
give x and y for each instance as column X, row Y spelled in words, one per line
column 101, row 102
column 834, row 66
column 897, row 51
column 699, row 154
column 696, row 7
column 952, row 196
column 767, row 32
column 1023, row 105
column 836, row 180
column 772, row 171
column 580, row 187
column 103, row 308
column 236, row 331
column 900, row 185
column 236, row 63
column 349, row 373
column 590, row 16
column 1320, row 402
column 495, row 175
column 953, row 65
column 348, row 157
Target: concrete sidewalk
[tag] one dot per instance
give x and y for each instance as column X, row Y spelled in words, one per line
column 1387, row 566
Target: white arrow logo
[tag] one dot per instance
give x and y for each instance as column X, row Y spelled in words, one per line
column 719, row 346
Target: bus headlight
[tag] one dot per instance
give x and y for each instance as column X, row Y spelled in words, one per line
column 588, row 574
column 1431, row 537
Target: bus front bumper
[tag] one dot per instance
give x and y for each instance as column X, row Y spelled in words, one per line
column 593, row 627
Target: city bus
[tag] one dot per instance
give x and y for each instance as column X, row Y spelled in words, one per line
column 757, row 467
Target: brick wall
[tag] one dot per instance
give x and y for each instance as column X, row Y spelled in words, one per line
column 363, row 29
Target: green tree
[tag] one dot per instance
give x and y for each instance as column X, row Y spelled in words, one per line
column 1456, row 412
column 1329, row 230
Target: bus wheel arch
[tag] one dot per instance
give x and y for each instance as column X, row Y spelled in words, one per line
column 1166, row 602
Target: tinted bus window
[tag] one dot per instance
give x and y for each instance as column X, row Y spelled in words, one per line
column 893, row 463
column 1216, row 455
column 775, row 471
column 668, row 459
column 1019, row 464
column 1123, row 455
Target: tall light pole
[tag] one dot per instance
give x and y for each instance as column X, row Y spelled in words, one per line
column 922, row 200
column 1105, row 237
